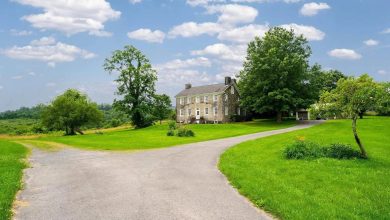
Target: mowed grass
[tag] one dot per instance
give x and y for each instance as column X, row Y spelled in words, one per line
column 156, row 136
column 12, row 163
column 321, row 188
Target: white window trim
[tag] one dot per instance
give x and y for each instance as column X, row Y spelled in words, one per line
column 197, row 99
column 206, row 99
column 181, row 112
column 189, row 112
column 206, row 112
column 226, row 110
column 215, row 98
column 226, row 97
column 215, row 110
column 238, row 111
column 181, row 101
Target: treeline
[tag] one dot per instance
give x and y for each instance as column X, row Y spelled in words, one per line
column 23, row 112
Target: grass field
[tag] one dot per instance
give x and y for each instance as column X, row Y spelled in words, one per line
column 321, row 188
column 155, row 136
column 11, row 167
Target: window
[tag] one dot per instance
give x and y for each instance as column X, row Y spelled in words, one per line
column 232, row 89
column 238, row 111
column 197, row 112
column 189, row 112
column 226, row 97
column 215, row 98
column 215, row 110
column 226, row 110
column 197, row 99
column 206, row 99
column 181, row 101
column 188, row 100
column 206, row 111
column 181, row 112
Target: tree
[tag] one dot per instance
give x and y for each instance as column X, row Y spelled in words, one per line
column 351, row 97
column 136, row 82
column 70, row 111
column 162, row 107
column 322, row 81
column 274, row 76
column 383, row 107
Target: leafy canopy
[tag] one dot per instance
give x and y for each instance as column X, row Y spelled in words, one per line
column 136, row 84
column 274, row 78
column 70, row 111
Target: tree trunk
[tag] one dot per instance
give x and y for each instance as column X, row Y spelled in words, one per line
column 279, row 117
column 357, row 139
column 160, row 122
column 79, row 131
column 361, row 115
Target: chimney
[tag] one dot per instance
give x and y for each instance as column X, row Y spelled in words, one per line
column 228, row 80
column 188, row 86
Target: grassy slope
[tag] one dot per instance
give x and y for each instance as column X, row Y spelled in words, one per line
column 17, row 126
column 316, row 189
column 11, row 166
column 155, row 136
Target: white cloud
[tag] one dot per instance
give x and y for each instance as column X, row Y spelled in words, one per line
column 233, row 13
column 180, row 64
column 382, row 72
column 386, row 31
column 243, row 34
column 194, row 3
column 345, row 54
column 309, row 32
column 135, row 1
column 31, row 73
column 48, row 50
column 371, row 42
column 71, row 16
column 192, row 29
column 148, row 35
column 15, row 32
column 221, row 51
column 312, row 8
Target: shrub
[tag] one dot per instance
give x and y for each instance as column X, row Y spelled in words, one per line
column 184, row 132
column 303, row 149
column 309, row 150
column 172, row 125
column 341, row 151
column 171, row 132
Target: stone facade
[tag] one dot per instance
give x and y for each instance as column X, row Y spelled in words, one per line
column 214, row 104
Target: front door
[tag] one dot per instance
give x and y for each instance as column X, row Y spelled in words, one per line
column 197, row 113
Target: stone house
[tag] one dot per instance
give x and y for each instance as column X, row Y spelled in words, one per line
column 214, row 103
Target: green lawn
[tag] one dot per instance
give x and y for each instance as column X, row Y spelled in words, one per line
column 321, row 188
column 155, row 136
column 11, row 167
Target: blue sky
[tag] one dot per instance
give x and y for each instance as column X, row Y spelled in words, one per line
column 47, row 47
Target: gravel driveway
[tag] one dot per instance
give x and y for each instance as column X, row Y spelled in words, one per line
column 172, row 183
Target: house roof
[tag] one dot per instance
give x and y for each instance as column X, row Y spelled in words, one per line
column 197, row 90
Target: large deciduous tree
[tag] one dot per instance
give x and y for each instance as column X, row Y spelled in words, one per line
column 136, row 84
column 351, row 97
column 274, row 77
column 162, row 107
column 70, row 111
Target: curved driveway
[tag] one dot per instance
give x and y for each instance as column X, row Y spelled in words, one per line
column 171, row 183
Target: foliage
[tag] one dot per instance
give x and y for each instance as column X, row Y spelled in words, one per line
column 311, row 150
column 23, row 112
column 12, row 163
column 172, row 125
column 70, row 111
column 162, row 107
column 171, row 132
column 136, row 84
column 352, row 97
column 18, row 126
column 185, row 132
column 383, row 107
column 112, row 117
column 323, row 188
column 275, row 73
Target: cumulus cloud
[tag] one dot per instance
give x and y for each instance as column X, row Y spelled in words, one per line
column 386, row 31
column 312, row 8
column 224, row 52
column 135, row 1
column 345, row 54
column 243, row 34
column 309, row 32
column 192, row 29
column 47, row 49
column 148, row 35
column 371, row 42
column 233, row 13
column 180, row 64
column 71, row 16
column 18, row 77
